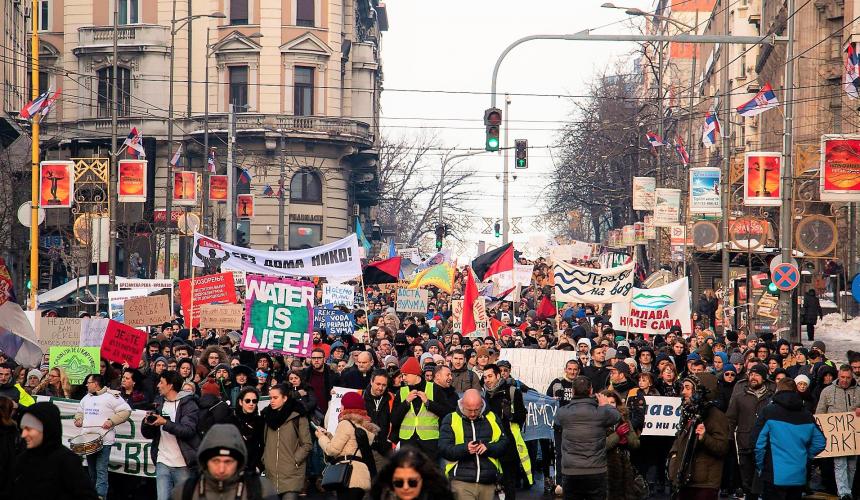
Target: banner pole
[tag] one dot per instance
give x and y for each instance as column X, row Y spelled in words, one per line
column 191, row 308
column 363, row 291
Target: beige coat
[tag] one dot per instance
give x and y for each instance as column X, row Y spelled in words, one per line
column 286, row 451
column 344, row 443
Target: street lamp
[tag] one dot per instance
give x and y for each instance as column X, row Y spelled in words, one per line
column 175, row 26
column 635, row 11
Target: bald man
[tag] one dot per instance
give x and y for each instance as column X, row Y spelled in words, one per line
column 358, row 376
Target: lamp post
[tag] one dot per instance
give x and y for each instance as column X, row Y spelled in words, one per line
column 175, row 26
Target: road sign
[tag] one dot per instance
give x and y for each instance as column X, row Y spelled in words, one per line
column 778, row 260
column 855, row 287
column 786, row 276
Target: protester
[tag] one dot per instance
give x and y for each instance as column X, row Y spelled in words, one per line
column 410, row 475
column 378, row 402
column 251, row 427
column 620, row 440
column 506, row 402
column 843, row 395
column 416, row 411
column 9, row 443
column 743, row 412
column 55, row 384
column 288, row 443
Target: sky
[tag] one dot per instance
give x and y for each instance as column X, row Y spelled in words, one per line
column 452, row 46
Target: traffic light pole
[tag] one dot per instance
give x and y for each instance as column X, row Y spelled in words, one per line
column 506, row 227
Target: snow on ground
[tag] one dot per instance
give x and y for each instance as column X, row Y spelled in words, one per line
column 837, row 335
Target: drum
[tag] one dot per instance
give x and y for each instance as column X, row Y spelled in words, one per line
column 86, row 444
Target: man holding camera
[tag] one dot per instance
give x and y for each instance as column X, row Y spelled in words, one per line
column 173, row 430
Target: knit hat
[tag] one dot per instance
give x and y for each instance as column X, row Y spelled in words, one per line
column 819, row 345
column 425, row 358
column 760, row 369
column 352, row 401
column 801, row 378
column 411, row 367
column 584, row 341
column 390, row 360
column 35, row 373
column 611, row 353
column 736, row 358
column 432, row 343
column 621, row 366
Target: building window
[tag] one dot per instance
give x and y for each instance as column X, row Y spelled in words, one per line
column 128, row 11
column 44, row 15
column 238, row 11
column 306, row 187
column 303, row 92
column 304, row 236
column 305, row 13
column 239, row 88
column 44, row 83
column 105, row 96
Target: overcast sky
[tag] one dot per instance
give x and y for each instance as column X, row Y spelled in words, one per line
column 452, row 45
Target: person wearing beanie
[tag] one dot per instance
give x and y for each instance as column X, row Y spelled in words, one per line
column 744, row 407
column 222, row 457
column 619, row 379
column 351, row 441
column 34, row 377
column 804, row 390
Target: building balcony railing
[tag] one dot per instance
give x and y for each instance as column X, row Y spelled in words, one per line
column 131, row 36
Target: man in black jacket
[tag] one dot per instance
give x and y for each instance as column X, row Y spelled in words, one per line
column 358, row 377
column 597, row 371
column 377, row 402
column 744, row 410
column 506, row 401
column 173, row 430
column 473, row 450
column 321, row 378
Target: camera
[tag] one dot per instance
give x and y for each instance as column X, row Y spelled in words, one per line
column 150, row 419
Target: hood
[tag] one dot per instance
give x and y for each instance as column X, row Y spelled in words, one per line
column 789, row 400
column 222, row 439
column 49, row 415
column 709, row 382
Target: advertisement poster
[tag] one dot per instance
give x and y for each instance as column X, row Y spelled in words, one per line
column 840, row 168
column 185, row 188
column 56, row 184
column 761, row 179
column 654, row 310
column 245, row 206
column 131, row 181
column 628, row 236
column 644, row 193
column 667, row 208
column 279, row 316
column 650, row 228
column 218, row 188
column 705, row 190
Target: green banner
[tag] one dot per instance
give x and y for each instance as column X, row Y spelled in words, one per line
column 78, row 362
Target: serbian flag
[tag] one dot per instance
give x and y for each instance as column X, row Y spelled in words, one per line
column 654, row 140
column 35, row 106
column 763, row 101
column 134, row 144
column 682, row 152
column 852, row 72
column 268, row 191
column 710, row 129
column 210, row 162
column 176, row 161
column 384, row 271
column 470, row 295
column 245, row 176
column 500, row 260
column 49, row 103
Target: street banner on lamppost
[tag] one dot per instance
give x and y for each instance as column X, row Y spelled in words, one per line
column 762, row 172
column 56, row 184
column 840, row 168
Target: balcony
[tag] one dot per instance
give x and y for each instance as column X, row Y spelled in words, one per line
column 310, row 127
column 130, row 38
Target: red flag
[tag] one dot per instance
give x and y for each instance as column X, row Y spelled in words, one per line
column 546, row 309
column 470, row 295
column 496, row 328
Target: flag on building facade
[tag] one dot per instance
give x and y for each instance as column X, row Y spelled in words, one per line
column 49, row 102
column 134, row 144
column 35, row 106
column 682, row 151
column 268, row 191
column 763, row 101
column 852, row 71
column 245, row 176
column 654, row 139
column 710, row 129
column 210, row 162
column 176, row 160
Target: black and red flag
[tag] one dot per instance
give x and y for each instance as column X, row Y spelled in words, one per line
column 500, row 260
column 384, row 271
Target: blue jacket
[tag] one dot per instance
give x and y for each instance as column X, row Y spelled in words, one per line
column 788, row 438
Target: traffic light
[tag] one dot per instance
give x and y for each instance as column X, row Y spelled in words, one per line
column 440, row 234
column 497, row 227
column 241, row 238
column 493, row 121
column 522, row 153
column 771, row 287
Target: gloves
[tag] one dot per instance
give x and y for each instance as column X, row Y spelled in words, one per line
column 622, row 431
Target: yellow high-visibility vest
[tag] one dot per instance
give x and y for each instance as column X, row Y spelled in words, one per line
column 459, row 438
column 522, row 451
column 24, row 399
column 425, row 423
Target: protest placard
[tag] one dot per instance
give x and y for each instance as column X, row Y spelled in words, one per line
column 338, row 295
column 123, row 344
column 482, row 322
column 662, row 416
column 58, row 332
column 334, row 407
column 841, row 431
column 655, row 310
column 335, row 322
column 593, row 286
column 279, row 315
column 536, row 367
column 147, row 311
column 78, row 362
column 541, row 416
column 412, row 300
column 93, row 331
column 211, row 289
column 222, row 316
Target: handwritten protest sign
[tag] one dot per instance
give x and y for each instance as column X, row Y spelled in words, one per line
column 482, row 322
column 77, row 361
column 338, row 295
column 123, row 344
column 335, row 406
column 211, row 289
column 841, row 431
column 93, row 331
column 278, row 315
column 662, row 416
column 536, row 367
column 412, row 300
column 146, row 311
column 58, row 332
column 222, row 316
column 335, row 322
column 541, row 416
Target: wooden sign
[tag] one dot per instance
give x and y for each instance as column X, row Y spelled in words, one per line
column 841, row 432
column 222, row 316
column 147, row 311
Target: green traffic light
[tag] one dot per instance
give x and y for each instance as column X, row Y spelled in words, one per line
column 771, row 287
column 493, row 143
column 521, row 163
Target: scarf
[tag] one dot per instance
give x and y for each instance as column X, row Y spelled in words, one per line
column 276, row 418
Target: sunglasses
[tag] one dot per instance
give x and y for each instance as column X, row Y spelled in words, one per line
column 249, row 400
column 729, row 374
column 398, row 483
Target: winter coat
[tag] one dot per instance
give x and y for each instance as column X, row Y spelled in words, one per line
column 379, row 411
column 343, row 443
column 810, row 311
column 213, row 410
column 507, row 403
column 743, row 412
column 50, row 470
column 352, row 378
column 787, row 439
column 287, row 447
column 251, row 427
column 329, row 380
column 561, row 389
column 583, row 435
column 472, row 468
column 465, row 379
column 620, row 472
column 184, row 428
column 10, row 442
column 835, row 399
column 599, row 376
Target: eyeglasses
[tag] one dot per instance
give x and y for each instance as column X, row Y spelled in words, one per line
column 249, row 400
column 729, row 374
column 398, row 483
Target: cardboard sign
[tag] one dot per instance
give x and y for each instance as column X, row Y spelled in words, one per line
column 662, row 416
column 338, row 295
column 279, row 316
column 211, row 289
column 77, row 361
column 123, row 344
column 64, row 332
column 222, row 316
column 335, row 322
column 482, row 322
column 146, row 311
column 841, row 431
column 412, row 300
column 93, row 331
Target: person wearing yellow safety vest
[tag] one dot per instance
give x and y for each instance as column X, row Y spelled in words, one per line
column 506, row 401
column 417, row 410
column 10, row 389
column 471, row 441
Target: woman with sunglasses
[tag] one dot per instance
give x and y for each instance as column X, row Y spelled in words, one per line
column 288, row 442
column 410, row 475
column 250, row 425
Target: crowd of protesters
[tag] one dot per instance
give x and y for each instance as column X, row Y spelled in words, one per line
column 435, row 403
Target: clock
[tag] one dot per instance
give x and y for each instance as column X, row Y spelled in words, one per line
column 706, row 235
column 815, row 236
